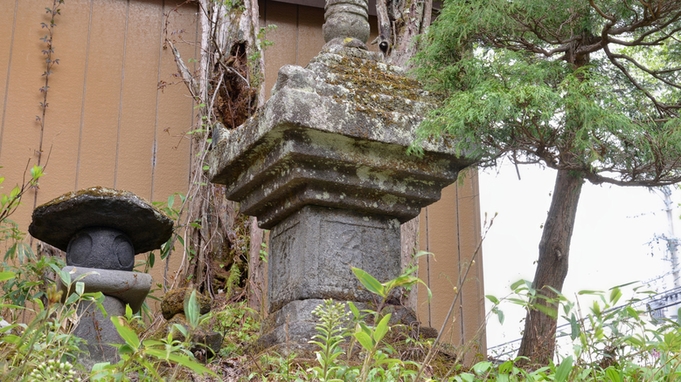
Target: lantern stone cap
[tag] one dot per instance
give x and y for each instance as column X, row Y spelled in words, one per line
column 58, row 220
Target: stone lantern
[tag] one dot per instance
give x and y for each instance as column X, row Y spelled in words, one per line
column 101, row 231
column 325, row 166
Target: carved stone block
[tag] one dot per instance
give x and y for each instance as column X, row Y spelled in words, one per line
column 313, row 250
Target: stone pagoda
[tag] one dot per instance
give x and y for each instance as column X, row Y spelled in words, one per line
column 325, row 166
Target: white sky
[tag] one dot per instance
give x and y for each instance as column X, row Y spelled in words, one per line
column 610, row 242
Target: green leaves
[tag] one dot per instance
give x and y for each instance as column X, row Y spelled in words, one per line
column 192, row 310
column 563, row 370
column 381, row 329
column 36, row 173
column 138, row 354
column 368, row 337
column 127, row 334
column 514, row 86
column 613, row 374
column 364, row 337
column 332, row 319
column 6, row 275
column 369, row 282
column 383, row 290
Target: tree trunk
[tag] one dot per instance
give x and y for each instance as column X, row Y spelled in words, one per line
column 407, row 19
column 228, row 87
column 539, row 337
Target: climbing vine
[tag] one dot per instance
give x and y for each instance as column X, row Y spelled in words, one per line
column 50, row 62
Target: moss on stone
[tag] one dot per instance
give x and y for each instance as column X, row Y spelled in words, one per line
column 376, row 88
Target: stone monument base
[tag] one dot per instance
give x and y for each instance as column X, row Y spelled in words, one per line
column 98, row 331
column 290, row 329
column 313, row 251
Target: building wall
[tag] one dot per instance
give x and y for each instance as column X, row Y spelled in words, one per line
column 107, row 124
column 450, row 230
column 117, row 117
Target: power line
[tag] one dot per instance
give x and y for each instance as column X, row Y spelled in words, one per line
column 669, row 298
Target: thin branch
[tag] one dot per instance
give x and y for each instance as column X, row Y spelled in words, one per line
column 186, row 74
column 633, row 81
column 601, row 13
column 653, row 73
column 644, row 23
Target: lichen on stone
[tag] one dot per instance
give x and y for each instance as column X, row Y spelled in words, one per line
column 375, row 88
column 58, row 220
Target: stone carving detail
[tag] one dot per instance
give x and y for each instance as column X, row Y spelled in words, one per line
column 285, row 247
column 101, row 248
column 312, row 253
column 351, row 247
column 347, row 250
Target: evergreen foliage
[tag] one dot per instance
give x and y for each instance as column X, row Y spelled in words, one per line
column 586, row 86
column 589, row 88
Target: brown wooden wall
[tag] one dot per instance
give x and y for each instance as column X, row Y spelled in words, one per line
column 106, row 124
column 109, row 124
column 450, row 229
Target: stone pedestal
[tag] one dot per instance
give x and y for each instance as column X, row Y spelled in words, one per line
column 324, row 165
column 98, row 331
column 120, row 288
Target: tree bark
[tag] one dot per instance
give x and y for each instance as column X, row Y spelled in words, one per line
column 407, row 19
column 539, row 337
column 228, row 87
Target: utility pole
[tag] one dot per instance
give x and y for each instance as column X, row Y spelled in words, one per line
column 672, row 242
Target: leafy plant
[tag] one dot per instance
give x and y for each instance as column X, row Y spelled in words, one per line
column 29, row 279
column 379, row 359
column 45, row 345
column 332, row 329
column 370, row 338
column 145, row 358
column 54, row 371
column 385, row 290
column 239, row 326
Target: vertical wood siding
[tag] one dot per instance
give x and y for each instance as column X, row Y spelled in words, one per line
column 450, row 229
column 107, row 123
